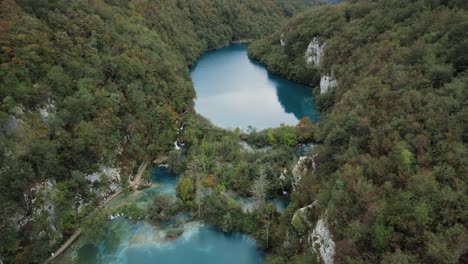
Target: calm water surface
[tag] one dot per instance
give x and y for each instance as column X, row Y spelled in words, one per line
column 139, row 242
column 234, row 91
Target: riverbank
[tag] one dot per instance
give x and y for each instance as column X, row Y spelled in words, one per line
column 214, row 159
column 128, row 240
column 77, row 233
column 234, row 92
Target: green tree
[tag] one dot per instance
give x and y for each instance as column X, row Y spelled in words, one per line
column 185, row 189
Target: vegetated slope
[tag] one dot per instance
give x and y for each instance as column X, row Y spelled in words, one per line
column 86, row 84
column 392, row 163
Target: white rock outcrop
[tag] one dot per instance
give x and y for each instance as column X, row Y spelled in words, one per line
column 42, row 196
column 282, row 176
column 322, row 241
column 282, row 42
column 47, row 110
column 315, row 231
column 39, row 200
column 314, row 52
column 326, row 83
column 304, row 165
column 113, row 175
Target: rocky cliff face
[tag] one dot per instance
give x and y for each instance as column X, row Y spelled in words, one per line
column 282, row 41
column 326, row 83
column 43, row 199
column 314, row 52
column 311, row 224
column 304, row 165
column 322, row 241
column 309, row 221
column 108, row 174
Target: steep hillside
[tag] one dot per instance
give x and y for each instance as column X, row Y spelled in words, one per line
column 391, row 168
column 88, row 90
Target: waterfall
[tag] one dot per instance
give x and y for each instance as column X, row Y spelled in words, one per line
column 178, row 144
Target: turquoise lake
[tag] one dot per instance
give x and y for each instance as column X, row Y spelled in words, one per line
column 234, row 91
column 140, row 242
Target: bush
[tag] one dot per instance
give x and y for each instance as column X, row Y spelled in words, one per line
column 185, row 189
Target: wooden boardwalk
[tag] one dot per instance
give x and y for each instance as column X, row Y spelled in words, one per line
column 77, row 232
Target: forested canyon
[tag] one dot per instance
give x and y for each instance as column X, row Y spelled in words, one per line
column 275, row 131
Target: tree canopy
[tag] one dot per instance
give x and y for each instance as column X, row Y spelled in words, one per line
column 86, row 84
column 391, row 165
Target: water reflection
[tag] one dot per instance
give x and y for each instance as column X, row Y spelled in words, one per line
column 294, row 98
column 234, row 91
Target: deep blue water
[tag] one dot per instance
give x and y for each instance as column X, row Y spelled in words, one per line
column 234, row 91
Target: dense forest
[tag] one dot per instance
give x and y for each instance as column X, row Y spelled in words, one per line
column 89, row 86
column 93, row 88
column 390, row 78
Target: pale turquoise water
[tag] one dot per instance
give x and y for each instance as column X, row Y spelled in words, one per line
column 139, row 242
column 234, row 91
column 143, row 243
column 281, row 203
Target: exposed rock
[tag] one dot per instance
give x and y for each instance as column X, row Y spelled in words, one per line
column 327, row 82
column 44, row 112
column 318, row 235
column 304, row 165
column 282, row 42
column 39, row 201
column 120, row 150
column 41, row 197
column 314, row 52
column 246, row 147
column 47, row 110
column 112, row 173
column 282, row 178
column 322, row 241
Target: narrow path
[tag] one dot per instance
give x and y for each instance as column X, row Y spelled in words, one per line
column 64, row 246
column 140, row 172
column 77, row 233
